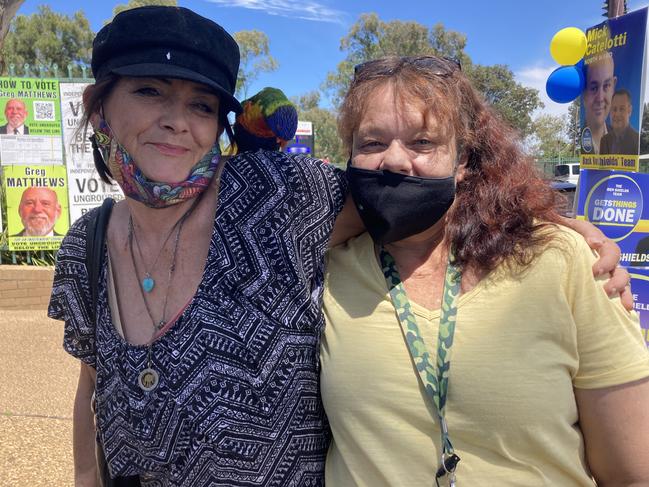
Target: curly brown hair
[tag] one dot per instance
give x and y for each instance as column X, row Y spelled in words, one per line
column 501, row 201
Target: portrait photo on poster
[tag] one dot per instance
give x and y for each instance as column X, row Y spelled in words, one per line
column 611, row 102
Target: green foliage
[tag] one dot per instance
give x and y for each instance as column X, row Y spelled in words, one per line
column 327, row 142
column 254, row 47
column 513, row 101
column 550, row 136
column 644, row 132
column 573, row 130
column 371, row 38
column 47, row 38
column 143, row 3
column 8, row 9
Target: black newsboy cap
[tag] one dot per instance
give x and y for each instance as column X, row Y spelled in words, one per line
column 169, row 42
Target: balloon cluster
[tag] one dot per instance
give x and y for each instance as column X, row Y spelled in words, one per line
column 568, row 47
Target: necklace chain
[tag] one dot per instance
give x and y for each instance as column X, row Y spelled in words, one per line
column 172, row 267
column 149, row 377
column 148, row 282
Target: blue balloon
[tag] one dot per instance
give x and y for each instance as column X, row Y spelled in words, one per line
column 565, row 83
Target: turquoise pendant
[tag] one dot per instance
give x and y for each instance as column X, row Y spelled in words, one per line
column 148, row 284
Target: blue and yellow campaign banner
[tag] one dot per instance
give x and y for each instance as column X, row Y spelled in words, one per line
column 612, row 100
column 37, row 206
column 640, row 287
column 617, row 202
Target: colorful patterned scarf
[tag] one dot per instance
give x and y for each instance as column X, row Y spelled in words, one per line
column 152, row 193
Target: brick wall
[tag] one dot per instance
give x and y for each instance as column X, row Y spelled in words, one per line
column 25, row 287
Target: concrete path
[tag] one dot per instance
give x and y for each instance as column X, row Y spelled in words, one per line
column 37, row 385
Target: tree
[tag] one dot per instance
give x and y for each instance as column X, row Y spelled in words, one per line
column 370, row 38
column 143, row 3
column 8, row 9
column 254, row 47
column 327, row 142
column 644, row 132
column 573, row 127
column 550, row 136
column 513, row 101
column 46, row 38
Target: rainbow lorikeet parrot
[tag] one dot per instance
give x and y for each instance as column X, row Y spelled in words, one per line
column 268, row 121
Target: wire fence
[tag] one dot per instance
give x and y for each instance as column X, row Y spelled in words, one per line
column 546, row 165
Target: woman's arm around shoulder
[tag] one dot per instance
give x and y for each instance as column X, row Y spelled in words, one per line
column 348, row 224
column 607, row 263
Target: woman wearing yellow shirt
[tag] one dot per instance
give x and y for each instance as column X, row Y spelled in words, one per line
column 466, row 340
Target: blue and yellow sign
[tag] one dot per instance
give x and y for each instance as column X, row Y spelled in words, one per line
column 612, row 99
column 615, row 201
column 640, row 287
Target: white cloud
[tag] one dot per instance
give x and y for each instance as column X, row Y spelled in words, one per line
column 295, row 9
column 535, row 77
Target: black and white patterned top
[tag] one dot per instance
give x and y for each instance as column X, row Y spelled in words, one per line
column 238, row 401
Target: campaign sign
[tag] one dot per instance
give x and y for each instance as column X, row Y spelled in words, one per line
column 303, row 142
column 37, row 206
column 617, row 202
column 640, row 288
column 30, row 106
column 612, row 100
column 30, row 121
column 86, row 189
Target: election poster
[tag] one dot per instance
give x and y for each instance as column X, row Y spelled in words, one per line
column 85, row 187
column 640, row 288
column 37, row 206
column 612, row 100
column 618, row 204
column 302, row 142
column 30, row 130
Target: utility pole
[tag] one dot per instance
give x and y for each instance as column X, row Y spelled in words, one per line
column 614, row 8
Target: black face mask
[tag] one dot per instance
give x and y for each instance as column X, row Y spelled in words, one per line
column 395, row 206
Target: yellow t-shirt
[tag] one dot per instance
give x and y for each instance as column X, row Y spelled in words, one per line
column 521, row 344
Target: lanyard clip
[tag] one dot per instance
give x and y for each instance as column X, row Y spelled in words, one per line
column 449, row 464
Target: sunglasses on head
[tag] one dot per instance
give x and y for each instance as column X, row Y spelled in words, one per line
column 439, row 66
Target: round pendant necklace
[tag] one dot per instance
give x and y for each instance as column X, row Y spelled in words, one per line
column 149, row 378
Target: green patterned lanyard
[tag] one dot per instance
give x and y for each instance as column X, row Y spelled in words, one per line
column 434, row 379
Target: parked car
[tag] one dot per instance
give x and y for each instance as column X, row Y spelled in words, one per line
column 567, row 172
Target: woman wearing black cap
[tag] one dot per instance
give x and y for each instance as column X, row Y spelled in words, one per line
column 202, row 346
column 205, row 341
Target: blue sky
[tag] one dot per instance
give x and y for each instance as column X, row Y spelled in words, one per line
column 305, row 34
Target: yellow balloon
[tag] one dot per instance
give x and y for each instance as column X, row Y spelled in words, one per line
column 568, row 46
